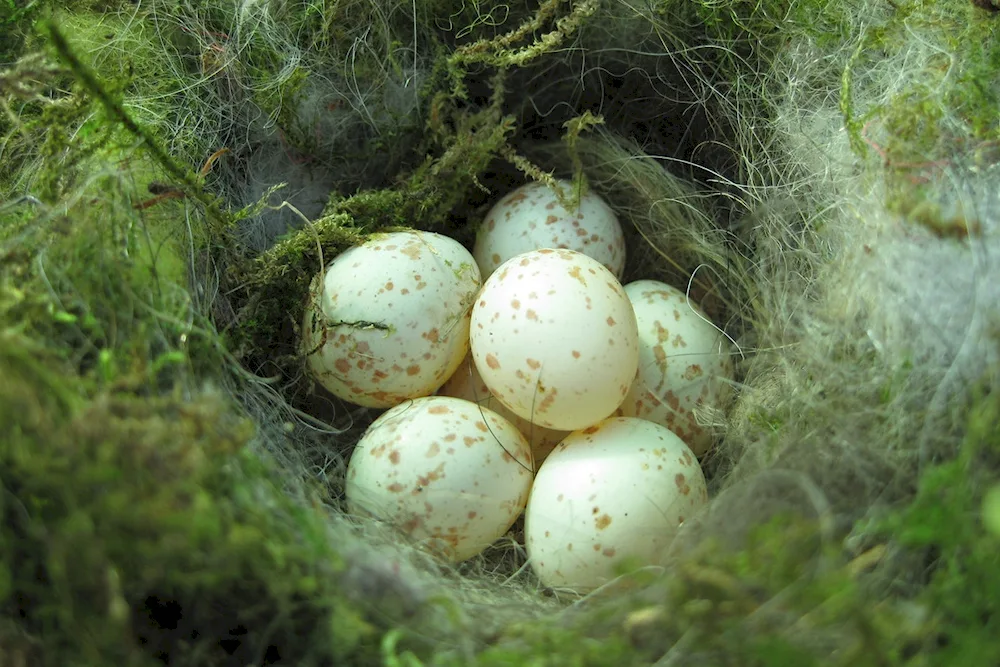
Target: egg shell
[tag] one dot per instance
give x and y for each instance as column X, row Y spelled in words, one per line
column 389, row 319
column 555, row 339
column 532, row 217
column 468, row 384
column 685, row 363
column 451, row 474
column 610, row 495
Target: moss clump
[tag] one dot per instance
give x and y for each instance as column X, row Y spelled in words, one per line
column 946, row 523
column 136, row 524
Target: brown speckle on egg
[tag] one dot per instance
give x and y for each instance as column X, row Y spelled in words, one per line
column 576, row 274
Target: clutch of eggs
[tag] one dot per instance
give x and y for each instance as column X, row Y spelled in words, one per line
column 550, row 354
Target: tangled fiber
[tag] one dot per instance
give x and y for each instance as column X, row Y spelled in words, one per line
column 820, row 176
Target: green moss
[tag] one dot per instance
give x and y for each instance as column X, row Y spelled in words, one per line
column 130, row 514
column 946, row 522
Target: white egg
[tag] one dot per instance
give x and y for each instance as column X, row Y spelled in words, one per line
column 468, row 384
column 531, row 218
column 685, row 364
column 609, row 497
column 451, row 474
column 555, row 339
column 389, row 320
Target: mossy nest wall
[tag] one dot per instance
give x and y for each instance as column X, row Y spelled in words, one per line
column 820, row 176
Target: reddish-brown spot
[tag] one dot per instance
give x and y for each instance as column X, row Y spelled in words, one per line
column 472, row 515
column 551, row 220
column 693, row 371
column 404, row 291
column 524, row 262
column 609, row 552
column 581, row 232
column 342, row 365
column 482, row 427
column 432, row 476
column 469, row 440
column 602, row 522
column 389, row 286
column 394, row 456
column 450, row 437
column 515, row 304
column 431, row 335
column 491, row 224
column 412, row 370
column 682, row 484
column 433, row 450
column 597, row 547
column 363, row 348
column 412, row 251
column 531, row 315
column 576, row 354
column 495, row 258
column 534, row 364
column 547, row 401
column 611, row 321
column 395, row 487
column 492, row 361
column 577, row 275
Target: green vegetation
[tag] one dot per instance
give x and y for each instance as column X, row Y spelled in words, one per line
column 148, row 355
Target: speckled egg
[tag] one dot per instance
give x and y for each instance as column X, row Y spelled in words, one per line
column 555, row 339
column 467, row 383
column 531, row 217
column 685, row 363
column 389, row 320
column 610, row 496
column 451, row 474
